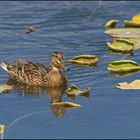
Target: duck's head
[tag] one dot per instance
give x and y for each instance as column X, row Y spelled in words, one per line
column 57, row 60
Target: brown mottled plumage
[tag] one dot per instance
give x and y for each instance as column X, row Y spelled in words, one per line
column 36, row 74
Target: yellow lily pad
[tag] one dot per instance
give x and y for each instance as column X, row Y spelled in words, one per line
column 123, row 67
column 67, row 104
column 121, row 45
column 136, row 18
column 125, row 85
column 135, row 22
column 2, row 128
column 111, row 24
column 85, row 60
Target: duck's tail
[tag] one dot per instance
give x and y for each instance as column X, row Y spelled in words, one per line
column 4, row 66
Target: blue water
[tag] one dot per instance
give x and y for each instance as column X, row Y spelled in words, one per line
column 74, row 27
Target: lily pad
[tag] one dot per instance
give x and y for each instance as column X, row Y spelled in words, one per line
column 121, row 45
column 5, row 88
column 136, row 42
column 123, row 67
column 124, row 32
column 131, row 53
column 74, row 90
column 111, row 24
column 85, row 60
column 135, row 22
column 130, row 24
column 136, row 18
column 2, row 128
column 125, row 85
column 66, row 104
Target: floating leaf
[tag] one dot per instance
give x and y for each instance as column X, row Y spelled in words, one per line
column 5, row 88
column 133, row 85
column 131, row 53
column 123, row 67
column 136, row 42
column 121, row 45
column 72, row 96
column 111, row 24
column 85, row 60
column 136, row 18
column 124, row 32
column 2, row 128
column 131, row 24
column 135, row 22
column 74, row 90
column 67, row 104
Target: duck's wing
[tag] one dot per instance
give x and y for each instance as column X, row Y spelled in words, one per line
column 25, row 71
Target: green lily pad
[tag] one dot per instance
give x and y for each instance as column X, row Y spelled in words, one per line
column 111, row 24
column 123, row 67
column 124, row 32
column 121, row 45
column 66, row 104
column 136, row 42
column 74, row 90
column 131, row 53
column 85, row 60
column 131, row 24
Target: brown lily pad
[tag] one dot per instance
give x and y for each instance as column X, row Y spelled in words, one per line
column 124, row 32
column 125, row 85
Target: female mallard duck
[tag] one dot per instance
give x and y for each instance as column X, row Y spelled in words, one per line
column 36, row 74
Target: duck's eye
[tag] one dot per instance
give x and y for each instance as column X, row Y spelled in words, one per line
column 54, row 54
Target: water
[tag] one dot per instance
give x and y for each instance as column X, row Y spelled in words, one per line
column 74, row 28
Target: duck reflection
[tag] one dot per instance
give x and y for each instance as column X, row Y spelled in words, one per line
column 54, row 93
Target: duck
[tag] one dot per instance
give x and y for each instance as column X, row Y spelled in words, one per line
column 36, row 74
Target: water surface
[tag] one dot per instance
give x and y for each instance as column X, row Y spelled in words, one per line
column 74, row 28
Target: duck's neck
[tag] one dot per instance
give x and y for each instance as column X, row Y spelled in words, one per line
column 55, row 68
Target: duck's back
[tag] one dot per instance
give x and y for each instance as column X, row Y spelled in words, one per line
column 26, row 72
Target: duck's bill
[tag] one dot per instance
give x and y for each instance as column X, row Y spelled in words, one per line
column 65, row 67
